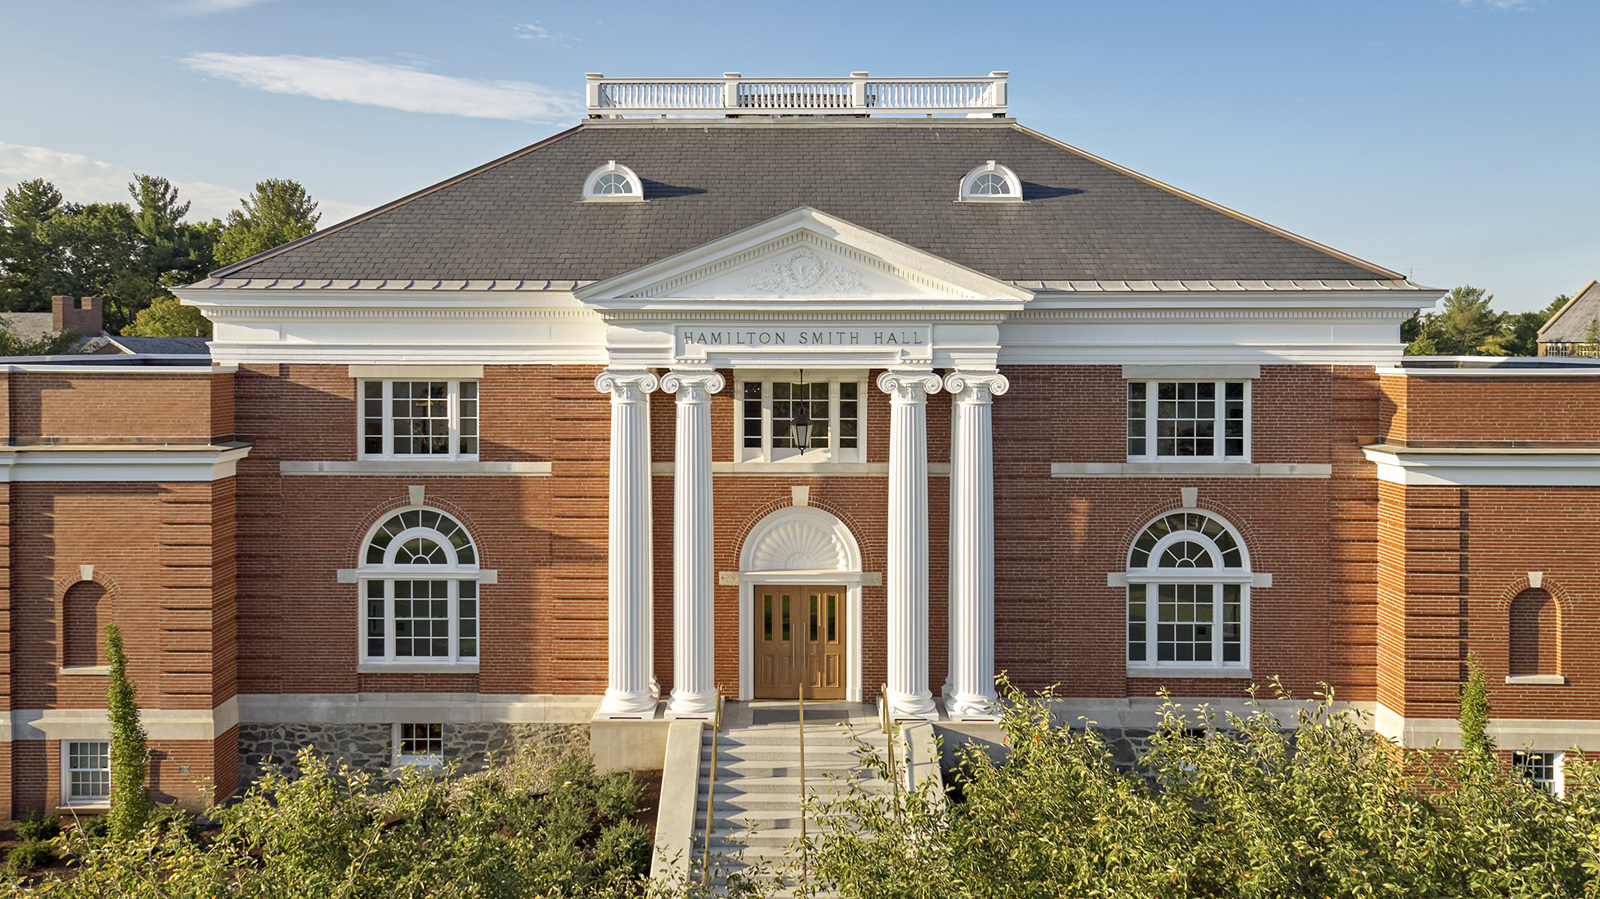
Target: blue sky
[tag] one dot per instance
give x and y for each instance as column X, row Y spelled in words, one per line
column 1452, row 139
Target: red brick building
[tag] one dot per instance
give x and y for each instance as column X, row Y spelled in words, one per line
column 784, row 398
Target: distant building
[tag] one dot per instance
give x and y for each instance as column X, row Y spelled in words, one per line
column 1569, row 332
column 786, row 386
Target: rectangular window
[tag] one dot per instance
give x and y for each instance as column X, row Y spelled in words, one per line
column 1197, row 420
column 432, row 620
column 1541, row 768
column 418, row 744
column 406, row 419
column 88, row 769
column 767, row 409
column 1186, row 625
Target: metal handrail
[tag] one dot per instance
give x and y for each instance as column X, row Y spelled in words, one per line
column 886, row 720
column 711, row 793
column 804, row 872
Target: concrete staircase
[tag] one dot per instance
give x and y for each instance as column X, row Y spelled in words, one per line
column 757, row 807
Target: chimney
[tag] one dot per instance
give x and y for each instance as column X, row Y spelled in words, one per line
column 81, row 314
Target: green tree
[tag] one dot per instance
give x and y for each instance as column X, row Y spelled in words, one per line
column 130, row 750
column 59, row 343
column 166, row 317
column 277, row 212
column 27, row 256
column 1522, row 328
column 1474, row 714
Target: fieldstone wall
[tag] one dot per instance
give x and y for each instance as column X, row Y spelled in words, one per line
column 367, row 748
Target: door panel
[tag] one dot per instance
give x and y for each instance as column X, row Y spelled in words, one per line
column 799, row 633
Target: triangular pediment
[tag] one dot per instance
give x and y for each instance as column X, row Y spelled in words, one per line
column 802, row 254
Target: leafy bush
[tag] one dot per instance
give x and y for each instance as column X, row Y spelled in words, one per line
column 174, row 821
column 1248, row 809
column 96, row 826
column 28, row 856
column 37, row 826
column 529, row 828
column 618, row 797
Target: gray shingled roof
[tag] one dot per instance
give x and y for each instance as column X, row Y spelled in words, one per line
column 1083, row 219
column 1571, row 324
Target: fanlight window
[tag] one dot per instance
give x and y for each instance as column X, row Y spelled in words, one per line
column 613, row 182
column 419, row 594
column 448, row 544
column 991, row 182
column 1188, row 595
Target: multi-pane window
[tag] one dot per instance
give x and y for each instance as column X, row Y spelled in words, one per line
column 419, row 590
column 1539, row 767
column 1188, row 592
column 419, row 418
column 1188, row 420
column 766, row 415
column 418, row 744
column 88, row 769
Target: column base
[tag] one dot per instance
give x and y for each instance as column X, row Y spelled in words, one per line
column 692, row 705
column 627, row 705
column 972, row 707
column 906, row 706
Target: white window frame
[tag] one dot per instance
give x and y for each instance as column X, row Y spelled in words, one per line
column 1152, row 388
column 970, row 180
column 1557, row 780
column 453, row 410
column 1151, row 577
column 68, row 799
column 830, row 454
column 453, row 572
column 636, row 186
column 402, row 760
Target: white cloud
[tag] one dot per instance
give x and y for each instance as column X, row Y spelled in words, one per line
column 390, row 86
column 84, row 180
column 1502, row 5
column 206, row 7
column 537, row 32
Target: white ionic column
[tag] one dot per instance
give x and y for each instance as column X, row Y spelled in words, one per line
column 694, row 690
column 629, row 572
column 971, row 687
column 909, row 696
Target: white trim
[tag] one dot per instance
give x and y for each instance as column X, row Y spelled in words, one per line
column 84, row 670
column 798, row 466
column 154, row 465
column 1552, row 680
column 1219, row 418
column 1217, row 575
column 419, row 465
column 1185, row 469
column 93, row 724
column 635, row 192
column 1013, row 185
column 1486, row 468
column 396, row 760
column 850, row 577
column 385, row 708
column 417, row 372
column 1506, row 733
column 827, row 459
column 1175, row 672
column 67, row 799
column 1190, row 372
column 453, row 400
column 66, row 367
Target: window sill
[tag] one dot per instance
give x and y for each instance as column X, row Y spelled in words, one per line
column 1175, row 671
column 417, row 668
column 1553, row 680
column 85, row 805
column 86, row 670
column 1193, row 469
column 421, row 466
column 419, row 764
column 797, row 466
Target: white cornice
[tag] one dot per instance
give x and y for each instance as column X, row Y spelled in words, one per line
column 1480, row 467
column 146, row 465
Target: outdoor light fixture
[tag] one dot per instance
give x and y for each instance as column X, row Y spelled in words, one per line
column 800, row 425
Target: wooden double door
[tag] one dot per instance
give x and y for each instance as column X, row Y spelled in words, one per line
column 799, row 639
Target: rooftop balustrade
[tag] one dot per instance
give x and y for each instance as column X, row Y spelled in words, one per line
column 859, row 95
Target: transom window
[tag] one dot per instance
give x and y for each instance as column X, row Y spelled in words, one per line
column 1542, row 768
column 419, row 418
column 1188, row 420
column 834, row 404
column 991, row 182
column 418, row 744
column 88, row 769
column 419, row 590
column 1188, row 594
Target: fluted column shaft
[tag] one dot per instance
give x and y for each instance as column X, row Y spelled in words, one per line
column 694, row 689
column 971, row 685
column 909, row 696
column 629, row 569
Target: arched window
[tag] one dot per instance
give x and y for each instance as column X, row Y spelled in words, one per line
column 1535, row 634
column 612, row 183
column 85, row 612
column 419, row 581
column 991, row 182
column 1188, row 594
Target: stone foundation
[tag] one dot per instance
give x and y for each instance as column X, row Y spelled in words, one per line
column 367, row 748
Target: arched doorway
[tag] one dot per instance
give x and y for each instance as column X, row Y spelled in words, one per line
column 800, row 607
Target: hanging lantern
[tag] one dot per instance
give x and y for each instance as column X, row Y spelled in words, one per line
column 800, row 425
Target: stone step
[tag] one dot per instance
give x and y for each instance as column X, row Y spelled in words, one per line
column 766, row 737
column 821, row 769
column 787, row 784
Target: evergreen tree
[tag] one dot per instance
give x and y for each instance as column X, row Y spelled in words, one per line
column 130, row 751
column 1475, row 744
column 27, row 257
column 277, row 212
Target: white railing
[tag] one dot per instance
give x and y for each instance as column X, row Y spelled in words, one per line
column 857, row 95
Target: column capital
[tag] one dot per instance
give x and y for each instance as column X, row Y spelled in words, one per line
column 909, row 388
column 976, row 387
column 693, row 385
column 626, row 386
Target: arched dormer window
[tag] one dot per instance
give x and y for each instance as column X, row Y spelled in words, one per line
column 991, row 182
column 613, row 183
column 419, row 580
column 1189, row 595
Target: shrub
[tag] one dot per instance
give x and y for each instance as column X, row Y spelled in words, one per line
column 618, row 797
column 130, row 750
column 28, row 856
column 37, row 826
